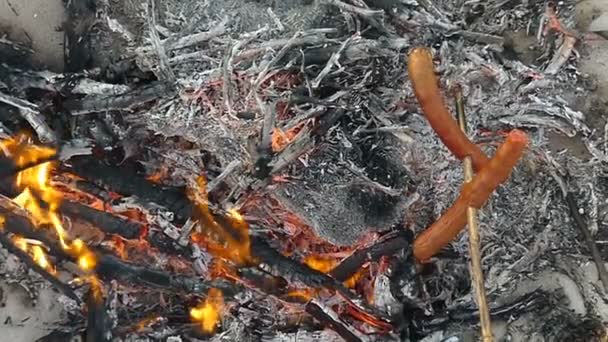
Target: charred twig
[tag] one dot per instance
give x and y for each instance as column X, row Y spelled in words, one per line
column 70, row 83
column 474, row 248
column 389, row 244
column 583, row 227
column 363, row 12
column 6, row 242
column 31, row 113
column 335, row 58
column 330, row 318
column 196, row 38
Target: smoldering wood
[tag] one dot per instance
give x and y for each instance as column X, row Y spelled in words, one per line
column 106, row 222
column 107, row 266
column 292, row 270
column 123, row 180
column 17, row 222
column 97, row 317
column 387, row 245
column 110, row 267
column 275, row 263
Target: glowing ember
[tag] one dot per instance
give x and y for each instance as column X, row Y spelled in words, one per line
column 207, row 314
column 302, row 295
column 281, row 139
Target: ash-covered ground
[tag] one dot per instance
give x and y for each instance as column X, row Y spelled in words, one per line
column 378, row 162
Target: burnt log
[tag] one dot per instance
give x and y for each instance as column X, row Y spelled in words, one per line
column 108, row 223
column 110, row 267
column 126, row 182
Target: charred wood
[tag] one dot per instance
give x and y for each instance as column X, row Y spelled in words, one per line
column 292, row 270
column 97, row 317
column 107, row 222
column 124, row 181
column 111, row 267
column 389, row 244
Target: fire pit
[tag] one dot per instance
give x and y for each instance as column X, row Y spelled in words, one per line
column 303, row 170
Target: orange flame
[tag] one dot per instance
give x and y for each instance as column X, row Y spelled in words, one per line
column 208, row 313
column 35, row 186
column 302, row 295
column 320, row 264
column 34, row 248
column 225, row 236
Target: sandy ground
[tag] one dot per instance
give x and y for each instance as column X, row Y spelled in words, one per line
column 37, row 21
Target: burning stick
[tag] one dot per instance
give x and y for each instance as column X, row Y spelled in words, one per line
column 97, row 318
column 474, row 249
column 474, row 194
column 29, row 261
column 425, row 83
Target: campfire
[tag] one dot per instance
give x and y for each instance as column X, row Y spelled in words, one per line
column 290, row 183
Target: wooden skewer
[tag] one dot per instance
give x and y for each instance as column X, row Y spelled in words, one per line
column 472, row 223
